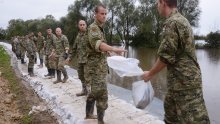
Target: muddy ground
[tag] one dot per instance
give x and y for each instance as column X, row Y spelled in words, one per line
column 14, row 108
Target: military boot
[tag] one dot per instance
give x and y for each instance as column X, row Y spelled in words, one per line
column 100, row 114
column 35, row 60
column 49, row 72
column 22, row 61
column 58, row 77
column 52, row 75
column 90, row 110
column 41, row 63
column 84, row 91
column 31, row 72
column 65, row 76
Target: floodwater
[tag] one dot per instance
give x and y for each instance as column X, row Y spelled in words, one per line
column 209, row 60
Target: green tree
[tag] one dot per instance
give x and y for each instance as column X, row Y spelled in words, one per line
column 16, row 27
column 213, row 39
column 125, row 21
column 32, row 25
column 48, row 21
column 2, row 34
column 190, row 9
column 149, row 24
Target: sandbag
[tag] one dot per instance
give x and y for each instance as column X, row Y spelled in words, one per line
column 124, row 66
column 142, row 93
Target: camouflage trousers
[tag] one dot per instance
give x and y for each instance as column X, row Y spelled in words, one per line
column 95, row 78
column 31, row 61
column 22, row 54
column 18, row 53
column 41, row 53
column 60, row 62
column 50, row 63
column 81, row 69
column 185, row 107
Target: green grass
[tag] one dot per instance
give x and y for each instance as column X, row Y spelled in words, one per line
column 9, row 74
column 7, row 71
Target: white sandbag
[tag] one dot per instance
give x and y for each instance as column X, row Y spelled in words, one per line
column 142, row 94
column 124, row 66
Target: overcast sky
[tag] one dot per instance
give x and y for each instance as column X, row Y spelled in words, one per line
column 32, row 9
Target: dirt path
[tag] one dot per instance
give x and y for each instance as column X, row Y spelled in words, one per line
column 14, row 108
column 9, row 112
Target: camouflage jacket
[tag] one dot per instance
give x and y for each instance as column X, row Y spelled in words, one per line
column 61, row 43
column 50, row 44
column 79, row 47
column 35, row 40
column 177, row 50
column 40, row 43
column 31, row 48
column 95, row 56
column 15, row 43
column 23, row 44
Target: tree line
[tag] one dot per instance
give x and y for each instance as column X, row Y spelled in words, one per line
column 135, row 22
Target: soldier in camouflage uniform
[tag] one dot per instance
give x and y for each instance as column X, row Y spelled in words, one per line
column 50, row 62
column 13, row 44
column 96, row 65
column 31, row 53
column 40, row 47
column 79, row 49
column 17, row 47
column 34, row 38
column 23, row 49
column 184, row 103
column 60, row 53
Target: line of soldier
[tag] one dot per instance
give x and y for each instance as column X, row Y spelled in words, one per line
column 54, row 47
column 91, row 51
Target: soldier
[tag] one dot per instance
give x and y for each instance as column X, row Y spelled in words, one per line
column 79, row 49
column 17, row 47
column 184, row 103
column 13, row 44
column 96, row 66
column 40, row 47
column 31, row 53
column 49, row 46
column 60, row 53
column 34, row 38
column 23, row 49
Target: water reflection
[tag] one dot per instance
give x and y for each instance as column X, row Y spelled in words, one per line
column 213, row 55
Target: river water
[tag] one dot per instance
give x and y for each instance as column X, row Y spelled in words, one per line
column 209, row 60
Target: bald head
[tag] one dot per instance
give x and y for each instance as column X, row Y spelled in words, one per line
column 58, row 31
column 82, row 26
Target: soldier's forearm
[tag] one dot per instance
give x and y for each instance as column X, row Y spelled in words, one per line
column 105, row 47
column 157, row 67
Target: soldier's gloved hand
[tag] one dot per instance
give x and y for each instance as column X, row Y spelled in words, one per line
column 65, row 56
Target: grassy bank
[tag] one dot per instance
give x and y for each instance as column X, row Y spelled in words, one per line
column 8, row 73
